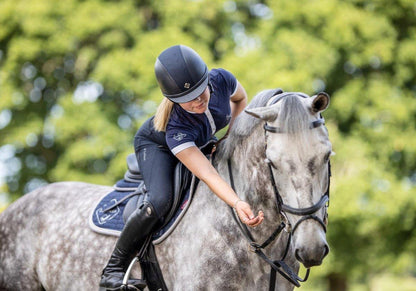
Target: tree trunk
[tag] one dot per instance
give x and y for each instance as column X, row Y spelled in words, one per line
column 337, row 282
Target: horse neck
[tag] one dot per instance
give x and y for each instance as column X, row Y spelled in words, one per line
column 249, row 170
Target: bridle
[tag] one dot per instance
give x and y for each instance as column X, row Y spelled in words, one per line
column 307, row 213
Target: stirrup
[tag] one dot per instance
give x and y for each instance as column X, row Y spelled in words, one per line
column 139, row 286
column 126, row 285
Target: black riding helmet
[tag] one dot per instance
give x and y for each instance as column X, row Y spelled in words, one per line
column 181, row 73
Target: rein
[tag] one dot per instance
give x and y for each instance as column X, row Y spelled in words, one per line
column 276, row 265
column 307, row 213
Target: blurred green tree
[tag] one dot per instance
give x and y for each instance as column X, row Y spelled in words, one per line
column 76, row 81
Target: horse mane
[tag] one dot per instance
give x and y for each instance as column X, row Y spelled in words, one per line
column 293, row 117
column 293, row 120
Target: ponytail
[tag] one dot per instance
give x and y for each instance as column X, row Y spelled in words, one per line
column 163, row 114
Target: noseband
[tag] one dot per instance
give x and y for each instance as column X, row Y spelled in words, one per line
column 307, row 213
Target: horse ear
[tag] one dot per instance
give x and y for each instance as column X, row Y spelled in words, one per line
column 264, row 113
column 320, row 102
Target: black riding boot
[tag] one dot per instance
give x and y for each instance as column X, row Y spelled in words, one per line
column 138, row 226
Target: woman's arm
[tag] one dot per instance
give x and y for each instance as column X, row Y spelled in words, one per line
column 238, row 102
column 199, row 165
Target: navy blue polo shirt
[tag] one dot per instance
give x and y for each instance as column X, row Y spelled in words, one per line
column 186, row 129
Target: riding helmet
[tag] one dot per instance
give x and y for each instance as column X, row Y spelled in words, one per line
column 181, row 73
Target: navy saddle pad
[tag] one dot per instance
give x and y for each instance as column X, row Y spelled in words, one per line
column 109, row 220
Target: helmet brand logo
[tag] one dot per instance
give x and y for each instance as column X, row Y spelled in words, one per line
column 187, row 85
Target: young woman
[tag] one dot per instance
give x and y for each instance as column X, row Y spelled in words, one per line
column 198, row 103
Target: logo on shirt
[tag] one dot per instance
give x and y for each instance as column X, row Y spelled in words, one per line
column 179, row 136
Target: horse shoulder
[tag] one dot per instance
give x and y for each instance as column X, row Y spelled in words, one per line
column 203, row 250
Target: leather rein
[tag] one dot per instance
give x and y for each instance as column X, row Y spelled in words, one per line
column 280, row 266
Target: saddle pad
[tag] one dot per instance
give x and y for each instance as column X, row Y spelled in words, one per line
column 112, row 223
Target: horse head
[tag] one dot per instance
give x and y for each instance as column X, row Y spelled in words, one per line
column 297, row 152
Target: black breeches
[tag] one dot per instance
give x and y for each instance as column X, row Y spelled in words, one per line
column 157, row 165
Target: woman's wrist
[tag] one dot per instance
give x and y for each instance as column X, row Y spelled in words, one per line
column 236, row 202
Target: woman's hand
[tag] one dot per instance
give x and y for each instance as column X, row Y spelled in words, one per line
column 199, row 165
column 246, row 214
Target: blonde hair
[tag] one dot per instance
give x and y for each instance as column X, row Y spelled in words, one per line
column 163, row 114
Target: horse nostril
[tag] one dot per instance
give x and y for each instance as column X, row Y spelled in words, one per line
column 311, row 259
column 326, row 250
column 297, row 255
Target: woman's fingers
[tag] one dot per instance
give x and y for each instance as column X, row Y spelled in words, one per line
column 256, row 220
column 247, row 216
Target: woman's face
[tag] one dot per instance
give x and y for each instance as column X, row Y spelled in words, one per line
column 199, row 104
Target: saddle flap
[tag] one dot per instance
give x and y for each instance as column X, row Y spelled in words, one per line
column 182, row 181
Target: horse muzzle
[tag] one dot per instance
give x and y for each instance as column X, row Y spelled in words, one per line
column 311, row 256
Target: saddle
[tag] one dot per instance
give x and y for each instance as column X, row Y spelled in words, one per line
column 111, row 213
column 113, row 210
column 183, row 178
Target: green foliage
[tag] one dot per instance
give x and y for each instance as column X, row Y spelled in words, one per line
column 76, row 81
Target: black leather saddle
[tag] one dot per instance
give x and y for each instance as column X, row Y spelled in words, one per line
column 182, row 182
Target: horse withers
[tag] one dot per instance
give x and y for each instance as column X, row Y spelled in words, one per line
column 277, row 154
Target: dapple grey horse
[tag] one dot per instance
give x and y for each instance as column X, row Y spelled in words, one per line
column 46, row 243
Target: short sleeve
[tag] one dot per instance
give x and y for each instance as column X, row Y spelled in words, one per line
column 179, row 139
column 229, row 80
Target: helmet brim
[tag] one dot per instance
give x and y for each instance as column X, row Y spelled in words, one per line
column 198, row 90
